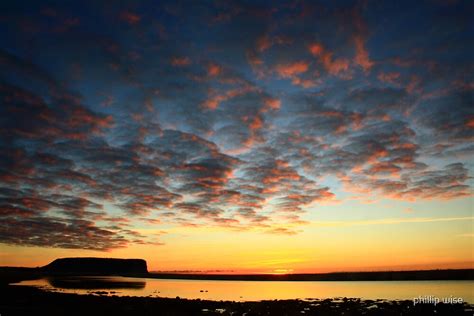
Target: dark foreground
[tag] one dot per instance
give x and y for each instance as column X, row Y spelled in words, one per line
column 22, row 300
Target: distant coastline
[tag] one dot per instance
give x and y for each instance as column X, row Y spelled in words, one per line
column 418, row 275
column 10, row 275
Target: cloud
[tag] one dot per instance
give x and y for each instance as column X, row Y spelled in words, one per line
column 389, row 221
column 27, row 115
column 377, row 99
column 282, row 231
column 390, row 77
column 290, row 70
column 180, row 61
column 362, row 56
column 332, row 66
column 217, row 116
column 130, row 17
column 359, row 38
column 213, row 70
column 274, row 104
column 265, row 42
column 58, row 233
column 446, row 183
column 293, row 71
column 448, row 116
column 216, row 98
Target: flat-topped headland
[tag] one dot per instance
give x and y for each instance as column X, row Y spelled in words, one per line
column 76, row 267
column 96, row 266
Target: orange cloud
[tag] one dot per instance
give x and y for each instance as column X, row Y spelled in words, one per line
column 292, row 69
column 377, row 154
column 356, row 121
column 271, row 104
column 256, row 63
column 213, row 70
column 389, row 77
column 413, row 85
column 254, row 123
column 333, row 67
column 470, row 122
column 384, row 167
column 305, row 83
column 331, row 114
column 362, row 56
column 265, row 42
column 130, row 17
column 281, row 172
column 409, row 146
column 215, row 99
column 80, row 116
column 180, row 61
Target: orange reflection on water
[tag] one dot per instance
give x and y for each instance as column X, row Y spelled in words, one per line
column 268, row 290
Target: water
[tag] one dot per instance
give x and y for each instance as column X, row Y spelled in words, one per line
column 258, row 290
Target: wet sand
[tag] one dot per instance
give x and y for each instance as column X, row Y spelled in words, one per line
column 23, row 300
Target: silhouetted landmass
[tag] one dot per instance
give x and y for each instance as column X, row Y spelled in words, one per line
column 76, row 266
column 96, row 266
column 138, row 268
column 459, row 274
column 16, row 274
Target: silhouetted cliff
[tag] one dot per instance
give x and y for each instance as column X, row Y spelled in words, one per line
column 96, row 266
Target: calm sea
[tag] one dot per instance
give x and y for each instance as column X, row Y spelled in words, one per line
column 259, row 290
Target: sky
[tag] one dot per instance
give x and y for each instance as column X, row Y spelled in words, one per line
column 238, row 136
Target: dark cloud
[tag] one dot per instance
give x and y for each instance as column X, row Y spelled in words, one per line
column 446, row 183
column 377, row 100
column 58, row 233
column 450, row 117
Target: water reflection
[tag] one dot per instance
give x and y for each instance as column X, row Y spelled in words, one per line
column 95, row 283
column 258, row 290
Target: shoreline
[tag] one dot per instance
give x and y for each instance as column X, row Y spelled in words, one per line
column 26, row 300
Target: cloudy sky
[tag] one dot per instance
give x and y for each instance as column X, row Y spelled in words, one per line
column 238, row 135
